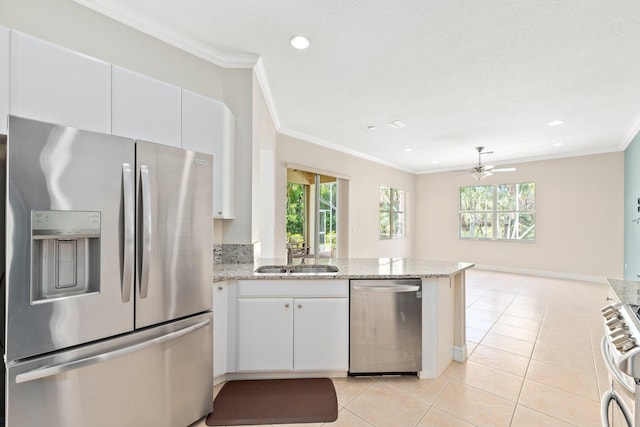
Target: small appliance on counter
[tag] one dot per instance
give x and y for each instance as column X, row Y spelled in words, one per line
column 106, row 271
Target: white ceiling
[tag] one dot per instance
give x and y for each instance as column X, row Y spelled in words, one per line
column 459, row 73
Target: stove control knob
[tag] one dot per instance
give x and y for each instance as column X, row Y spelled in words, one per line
column 612, row 314
column 620, row 332
column 628, row 345
column 614, row 323
column 620, row 340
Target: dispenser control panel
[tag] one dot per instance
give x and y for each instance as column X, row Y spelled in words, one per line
column 53, row 224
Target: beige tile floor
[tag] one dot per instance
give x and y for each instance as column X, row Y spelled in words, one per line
column 534, row 360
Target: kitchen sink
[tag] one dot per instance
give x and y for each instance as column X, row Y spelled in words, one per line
column 297, row 269
column 282, row 269
column 313, row 268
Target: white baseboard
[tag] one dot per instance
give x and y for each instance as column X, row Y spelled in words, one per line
column 542, row 273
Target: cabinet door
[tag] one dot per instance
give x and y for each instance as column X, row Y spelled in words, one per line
column 265, row 334
column 199, row 115
column 220, row 327
column 57, row 85
column 207, row 127
column 321, row 338
column 145, row 108
column 4, row 78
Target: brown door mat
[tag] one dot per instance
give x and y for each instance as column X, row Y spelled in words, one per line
column 251, row 402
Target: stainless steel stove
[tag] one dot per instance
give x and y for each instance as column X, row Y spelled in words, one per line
column 621, row 353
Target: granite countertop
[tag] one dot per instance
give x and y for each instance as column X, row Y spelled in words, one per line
column 628, row 291
column 349, row 268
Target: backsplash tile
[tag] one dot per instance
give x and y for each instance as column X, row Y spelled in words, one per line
column 233, row 253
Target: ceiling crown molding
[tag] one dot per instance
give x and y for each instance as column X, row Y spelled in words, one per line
column 169, row 35
column 332, row 146
column 263, row 82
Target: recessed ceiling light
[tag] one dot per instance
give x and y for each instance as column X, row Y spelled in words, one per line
column 558, row 144
column 371, row 128
column 299, row 42
column 408, row 150
column 435, row 161
column 554, row 123
column 397, row 124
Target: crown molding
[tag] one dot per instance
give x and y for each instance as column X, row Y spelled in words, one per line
column 332, row 146
column 631, row 136
column 169, row 35
column 263, row 82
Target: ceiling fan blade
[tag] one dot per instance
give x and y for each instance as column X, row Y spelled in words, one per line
column 503, row 170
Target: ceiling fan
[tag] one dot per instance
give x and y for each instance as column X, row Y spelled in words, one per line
column 481, row 171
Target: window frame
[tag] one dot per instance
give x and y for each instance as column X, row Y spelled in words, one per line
column 400, row 214
column 494, row 214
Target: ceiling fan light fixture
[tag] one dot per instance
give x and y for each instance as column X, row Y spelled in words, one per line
column 479, row 175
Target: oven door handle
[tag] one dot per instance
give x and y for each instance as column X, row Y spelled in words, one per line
column 613, row 370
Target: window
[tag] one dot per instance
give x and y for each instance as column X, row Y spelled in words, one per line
column 392, row 208
column 498, row 212
column 312, row 215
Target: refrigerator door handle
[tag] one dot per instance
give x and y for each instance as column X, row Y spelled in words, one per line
column 129, row 232
column 49, row 371
column 146, row 231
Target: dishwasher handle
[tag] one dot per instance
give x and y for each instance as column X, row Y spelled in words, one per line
column 393, row 289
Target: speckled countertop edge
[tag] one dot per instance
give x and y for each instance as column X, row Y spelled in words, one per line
column 349, row 268
column 628, row 291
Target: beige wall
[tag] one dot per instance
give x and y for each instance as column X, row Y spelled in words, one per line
column 366, row 178
column 579, row 218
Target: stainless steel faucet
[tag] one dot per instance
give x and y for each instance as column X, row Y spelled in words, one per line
column 289, row 254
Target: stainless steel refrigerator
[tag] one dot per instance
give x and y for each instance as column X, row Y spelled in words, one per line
column 107, row 249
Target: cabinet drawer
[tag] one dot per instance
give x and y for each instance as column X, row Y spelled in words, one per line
column 293, row 288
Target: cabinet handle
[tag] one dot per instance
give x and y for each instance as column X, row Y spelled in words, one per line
column 299, row 305
column 220, row 288
column 609, row 299
column 286, row 306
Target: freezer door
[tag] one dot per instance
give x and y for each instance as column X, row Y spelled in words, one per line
column 159, row 377
column 69, row 259
column 174, row 234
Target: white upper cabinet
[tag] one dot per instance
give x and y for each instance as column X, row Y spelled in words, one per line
column 208, row 127
column 145, row 108
column 4, row 78
column 54, row 84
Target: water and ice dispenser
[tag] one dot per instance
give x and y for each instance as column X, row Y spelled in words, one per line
column 65, row 254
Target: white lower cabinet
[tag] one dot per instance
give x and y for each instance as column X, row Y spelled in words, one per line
column 221, row 291
column 321, row 334
column 265, row 334
column 287, row 328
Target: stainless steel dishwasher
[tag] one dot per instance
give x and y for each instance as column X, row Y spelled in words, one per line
column 385, row 328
